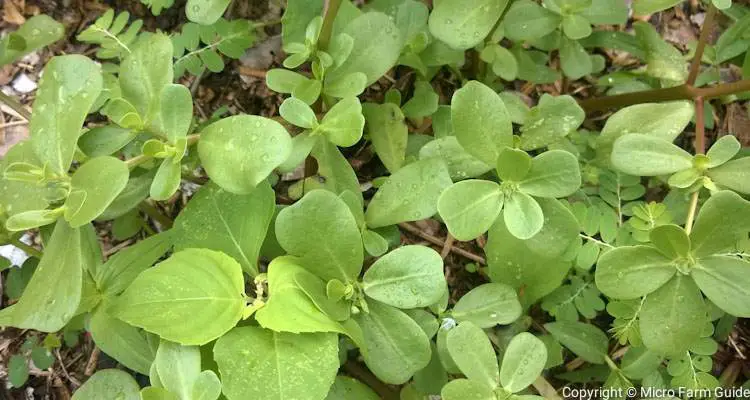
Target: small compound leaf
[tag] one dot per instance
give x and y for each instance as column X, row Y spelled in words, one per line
column 322, row 231
column 469, row 208
column 672, row 317
column 523, row 362
column 240, row 152
column 192, row 298
column 633, row 272
column 410, row 194
column 408, row 277
column 261, row 364
column 472, row 351
column 585, row 340
column 488, row 305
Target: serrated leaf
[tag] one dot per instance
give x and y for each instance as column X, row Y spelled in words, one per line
column 177, row 298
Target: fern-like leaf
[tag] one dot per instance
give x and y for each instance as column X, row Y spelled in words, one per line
column 109, row 32
column 200, row 47
column 156, row 6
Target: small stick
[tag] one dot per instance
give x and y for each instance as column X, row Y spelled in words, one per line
column 439, row 242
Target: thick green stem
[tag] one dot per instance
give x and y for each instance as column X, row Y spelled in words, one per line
column 329, row 15
column 700, row 148
column 15, row 105
column 156, row 215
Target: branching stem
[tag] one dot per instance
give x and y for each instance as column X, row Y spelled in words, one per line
column 330, row 10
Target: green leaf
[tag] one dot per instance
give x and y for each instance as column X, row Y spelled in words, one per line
column 526, row 20
column 725, row 148
column 513, row 164
column 192, row 298
column 585, row 340
column 724, row 280
column 66, row 93
column 553, row 118
column 488, row 305
column 640, row 362
column 720, row 221
column 96, row 184
column 167, row 179
column 18, row 370
column 646, row 7
column 733, row 175
column 123, row 342
column 377, row 45
column 239, row 152
column 463, row 25
column 574, row 60
column 673, row 316
column 112, row 34
column 472, row 351
column 105, row 140
column 291, row 309
column 660, row 120
column 144, row 73
column 157, row 393
column 37, row 32
column 633, row 272
column 460, row 163
column 206, row 386
column 18, row 278
column 351, row 85
column 396, row 345
column 176, row 111
column 298, row 113
column 664, row 60
column 109, row 384
column 408, row 277
column 464, row 389
column 233, row 224
column 283, row 80
column 388, row 132
column 261, row 364
column 642, row 155
column 410, row 194
column 671, row 240
column 322, row 231
column 481, row 122
column 554, row 173
column 576, row 26
column 344, row 122
column 205, row 12
column 469, row 208
column 523, row 362
column 424, row 101
column 523, row 216
column 121, row 269
column 177, row 367
column 48, row 310
column 346, row 388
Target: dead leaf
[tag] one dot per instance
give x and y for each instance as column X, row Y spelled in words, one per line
column 11, row 14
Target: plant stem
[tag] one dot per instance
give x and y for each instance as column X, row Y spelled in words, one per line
column 700, row 148
column 330, row 10
column 357, row 371
column 15, row 106
column 264, row 24
column 695, row 66
column 31, row 251
column 137, row 160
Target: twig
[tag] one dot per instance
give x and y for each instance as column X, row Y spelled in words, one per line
column 440, row 242
column 15, row 106
column 255, row 73
column 545, row 389
column 91, row 363
column 65, row 371
column 13, row 123
column 447, row 246
column 357, row 371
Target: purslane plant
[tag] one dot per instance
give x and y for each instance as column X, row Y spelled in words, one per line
column 242, row 297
